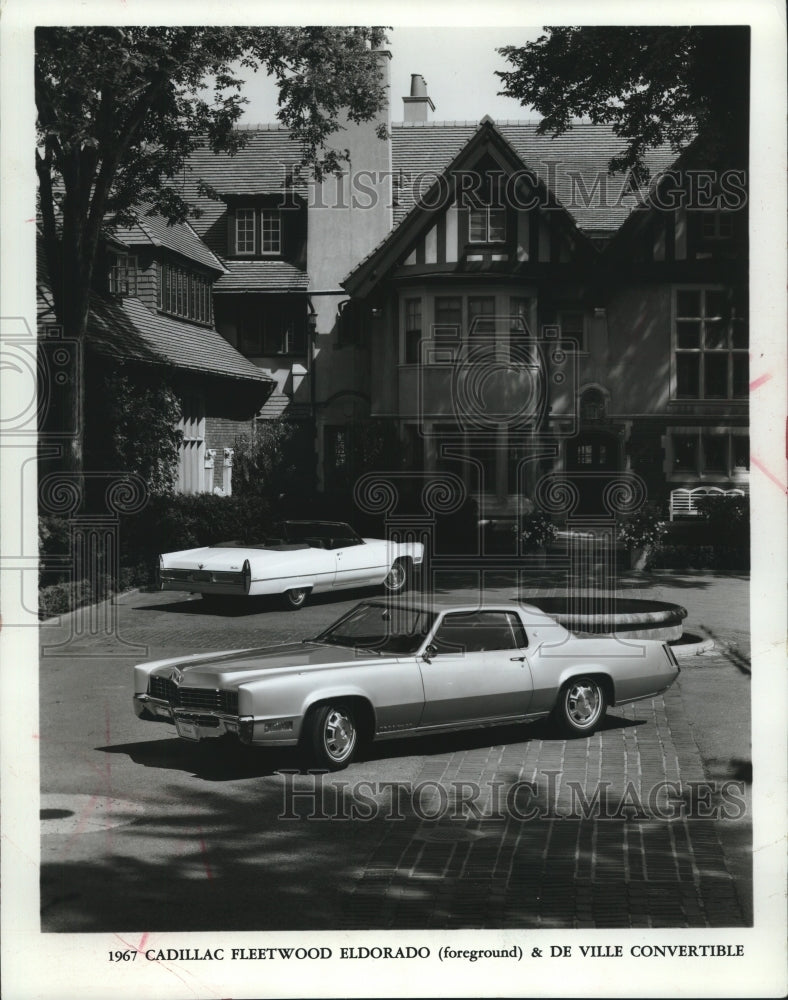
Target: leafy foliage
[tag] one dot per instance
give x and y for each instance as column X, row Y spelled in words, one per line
column 644, row 529
column 716, row 557
column 121, row 108
column 537, row 531
column 274, row 461
column 727, row 517
column 134, row 428
column 169, row 524
column 652, row 84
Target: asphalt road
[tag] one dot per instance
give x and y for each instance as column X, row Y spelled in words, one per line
column 145, row 832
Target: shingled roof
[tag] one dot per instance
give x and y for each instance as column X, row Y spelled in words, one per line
column 261, row 276
column 126, row 328
column 262, row 166
column 153, row 230
column 584, row 152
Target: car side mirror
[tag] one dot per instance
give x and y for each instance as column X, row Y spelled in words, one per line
column 429, row 653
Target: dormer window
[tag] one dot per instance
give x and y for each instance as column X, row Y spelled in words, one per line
column 258, row 232
column 245, row 231
column 487, row 225
column 271, row 231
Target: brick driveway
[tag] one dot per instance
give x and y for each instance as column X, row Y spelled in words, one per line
column 212, row 844
column 557, row 869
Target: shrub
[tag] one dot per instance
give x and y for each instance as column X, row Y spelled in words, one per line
column 644, row 529
column 271, row 462
column 537, row 531
column 727, row 519
column 722, row 557
column 54, row 542
column 133, row 425
column 59, row 598
column 169, row 524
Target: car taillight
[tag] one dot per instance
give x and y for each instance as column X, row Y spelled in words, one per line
column 161, row 567
column 247, row 572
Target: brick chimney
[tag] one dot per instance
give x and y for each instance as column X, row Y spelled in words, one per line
column 419, row 104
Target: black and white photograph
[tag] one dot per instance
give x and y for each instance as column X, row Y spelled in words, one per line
column 393, row 542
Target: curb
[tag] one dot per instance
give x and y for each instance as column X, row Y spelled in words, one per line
column 692, row 648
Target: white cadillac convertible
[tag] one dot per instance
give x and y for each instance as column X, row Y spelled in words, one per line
column 300, row 557
column 388, row 669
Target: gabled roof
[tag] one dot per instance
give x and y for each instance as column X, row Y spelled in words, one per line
column 485, row 138
column 261, row 276
column 153, row 230
column 561, row 162
column 126, row 328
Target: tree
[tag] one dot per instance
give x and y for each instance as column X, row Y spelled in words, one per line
column 270, row 462
column 121, row 108
column 680, row 85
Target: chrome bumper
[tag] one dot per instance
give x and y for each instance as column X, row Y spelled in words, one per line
column 206, row 725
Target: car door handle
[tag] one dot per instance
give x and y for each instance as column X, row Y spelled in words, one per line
column 516, row 659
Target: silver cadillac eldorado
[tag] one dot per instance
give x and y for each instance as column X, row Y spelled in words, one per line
column 390, row 669
column 299, row 558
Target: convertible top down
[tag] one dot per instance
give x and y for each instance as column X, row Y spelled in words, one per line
column 298, row 558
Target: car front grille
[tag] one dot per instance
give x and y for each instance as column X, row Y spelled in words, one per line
column 193, row 698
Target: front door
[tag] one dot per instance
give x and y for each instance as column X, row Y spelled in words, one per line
column 591, row 458
column 478, row 671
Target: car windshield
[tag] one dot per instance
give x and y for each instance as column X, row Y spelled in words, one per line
column 315, row 534
column 319, row 534
column 381, row 628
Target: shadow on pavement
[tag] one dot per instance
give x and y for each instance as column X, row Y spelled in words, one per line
column 729, row 652
column 211, row 760
column 228, row 760
column 242, row 607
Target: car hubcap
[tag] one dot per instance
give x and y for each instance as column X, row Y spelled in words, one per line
column 396, row 577
column 297, row 596
column 582, row 703
column 340, row 735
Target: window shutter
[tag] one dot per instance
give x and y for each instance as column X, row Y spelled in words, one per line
column 230, row 232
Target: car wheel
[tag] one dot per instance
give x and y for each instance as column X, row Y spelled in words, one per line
column 333, row 734
column 296, row 598
column 397, row 577
column 581, row 706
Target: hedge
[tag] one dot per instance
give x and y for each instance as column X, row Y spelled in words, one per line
column 732, row 557
column 172, row 523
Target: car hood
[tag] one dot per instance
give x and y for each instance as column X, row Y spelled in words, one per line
column 240, row 666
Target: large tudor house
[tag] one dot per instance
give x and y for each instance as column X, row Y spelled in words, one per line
column 515, row 312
